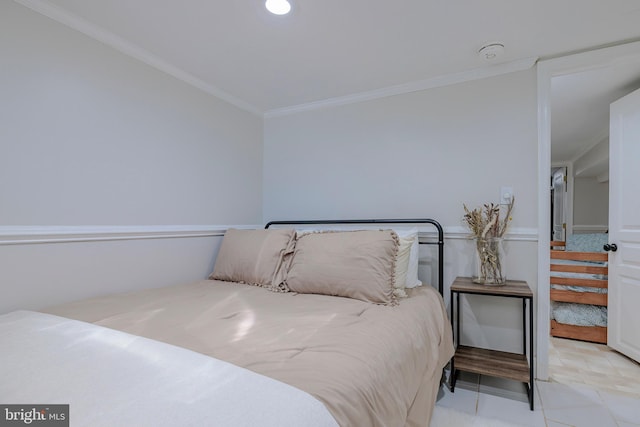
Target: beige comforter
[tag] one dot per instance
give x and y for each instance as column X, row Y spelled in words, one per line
column 370, row 365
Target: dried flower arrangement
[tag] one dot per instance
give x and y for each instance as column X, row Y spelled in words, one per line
column 487, row 229
column 486, row 223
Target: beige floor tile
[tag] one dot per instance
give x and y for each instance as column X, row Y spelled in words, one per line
column 619, row 360
column 573, row 353
column 629, row 373
column 566, row 380
column 599, row 367
column 594, row 366
column 600, row 383
column 574, row 370
column 628, row 389
column 555, row 363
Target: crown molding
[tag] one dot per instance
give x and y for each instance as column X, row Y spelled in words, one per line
column 82, row 25
column 26, row 235
column 416, row 86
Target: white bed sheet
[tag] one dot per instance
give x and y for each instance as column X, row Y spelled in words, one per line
column 112, row 378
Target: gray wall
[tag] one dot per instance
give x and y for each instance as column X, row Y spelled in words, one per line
column 590, row 205
column 421, row 154
column 92, row 137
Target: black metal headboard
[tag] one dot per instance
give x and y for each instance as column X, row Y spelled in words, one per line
column 433, row 222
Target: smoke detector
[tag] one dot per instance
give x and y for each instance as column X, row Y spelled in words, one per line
column 491, row 51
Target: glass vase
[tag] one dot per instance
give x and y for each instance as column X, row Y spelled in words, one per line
column 489, row 267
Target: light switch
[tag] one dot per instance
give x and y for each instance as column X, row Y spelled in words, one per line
column 506, row 195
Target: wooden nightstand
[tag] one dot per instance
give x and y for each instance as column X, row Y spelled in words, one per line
column 482, row 361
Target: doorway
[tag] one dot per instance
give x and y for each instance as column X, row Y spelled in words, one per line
column 569, row 69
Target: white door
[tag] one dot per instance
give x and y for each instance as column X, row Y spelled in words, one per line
column 624, row 226
column 559, row 193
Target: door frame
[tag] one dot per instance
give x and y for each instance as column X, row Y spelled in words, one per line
column 546, row 70
column 568, row 196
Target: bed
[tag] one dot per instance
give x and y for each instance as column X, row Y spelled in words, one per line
column 579, row 283
column 243, row 353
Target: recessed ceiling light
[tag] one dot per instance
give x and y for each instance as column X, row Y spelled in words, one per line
column 278, row 7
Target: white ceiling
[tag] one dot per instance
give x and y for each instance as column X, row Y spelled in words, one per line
column 327, row 49
column 580, row 107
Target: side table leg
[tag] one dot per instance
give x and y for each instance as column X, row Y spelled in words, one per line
column 531, row 375
column 452, row 374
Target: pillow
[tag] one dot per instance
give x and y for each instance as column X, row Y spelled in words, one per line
column 256, row 257
column 402, row 263
column 353, row 264
column 412, row 268
column 406, row 276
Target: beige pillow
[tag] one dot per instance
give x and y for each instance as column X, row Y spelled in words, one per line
column 352, row 264
column 406, row 271
column 256, row 257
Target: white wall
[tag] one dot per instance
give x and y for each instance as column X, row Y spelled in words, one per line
column 420, row 154
column 590, row 205
column 591, row 190
column 595, row 162
column 34, row 276
column 90, row 136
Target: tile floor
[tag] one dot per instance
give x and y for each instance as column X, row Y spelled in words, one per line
column 590, row 385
